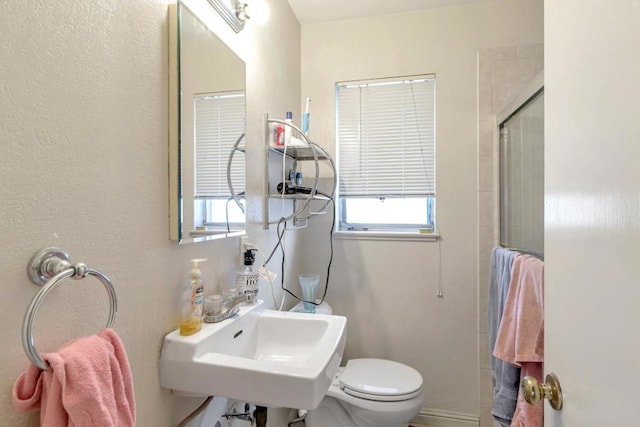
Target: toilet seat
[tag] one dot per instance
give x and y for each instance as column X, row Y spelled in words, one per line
column 380, row 380
column 375, row 408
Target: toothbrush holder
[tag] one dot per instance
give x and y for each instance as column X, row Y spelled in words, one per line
column 309, row 286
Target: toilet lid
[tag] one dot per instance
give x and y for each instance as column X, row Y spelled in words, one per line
column 382, row 380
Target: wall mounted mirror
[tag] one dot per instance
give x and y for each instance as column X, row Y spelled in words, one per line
column 207, row 125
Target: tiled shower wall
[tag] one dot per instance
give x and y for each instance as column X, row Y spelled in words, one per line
column 502, row 73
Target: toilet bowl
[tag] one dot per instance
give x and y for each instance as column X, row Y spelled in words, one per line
column 368, row 393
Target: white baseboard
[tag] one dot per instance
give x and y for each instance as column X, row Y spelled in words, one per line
column 436, row 418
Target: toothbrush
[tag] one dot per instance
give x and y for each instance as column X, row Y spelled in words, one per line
column 305, row 118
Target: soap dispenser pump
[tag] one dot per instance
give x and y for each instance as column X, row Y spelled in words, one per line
column 193, row 301
column 247, row 276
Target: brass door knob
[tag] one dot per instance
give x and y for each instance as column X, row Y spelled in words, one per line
column 534, row 392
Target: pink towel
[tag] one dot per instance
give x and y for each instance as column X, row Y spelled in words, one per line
column 527, row 415
column 520, row 338
column 89, row 384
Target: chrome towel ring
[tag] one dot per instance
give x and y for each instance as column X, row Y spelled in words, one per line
column 47, row 268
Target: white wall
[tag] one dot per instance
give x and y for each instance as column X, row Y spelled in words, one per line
column 388, row 289
column 83, row 166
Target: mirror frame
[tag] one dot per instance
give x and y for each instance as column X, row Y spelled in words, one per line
column 176, row 223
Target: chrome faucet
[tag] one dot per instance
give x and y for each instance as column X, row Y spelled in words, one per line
column 229, row 308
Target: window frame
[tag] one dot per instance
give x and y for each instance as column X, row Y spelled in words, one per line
column 394, row 231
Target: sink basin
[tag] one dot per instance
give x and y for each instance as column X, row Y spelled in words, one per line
column 269, row 358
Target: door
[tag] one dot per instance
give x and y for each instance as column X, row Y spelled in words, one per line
column 592, row 210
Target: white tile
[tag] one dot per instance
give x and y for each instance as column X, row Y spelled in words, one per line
column 485, row 173
column 483, row 351
column 539, row 50
column 485, row 209
column 537, row 65
column 485, row 137
column 496, row 217
column 524, row 51
column 485, row 103
column 484, row 252
column 485, row 244
column 485, row 83
column 486, row 387
column 496, row 142
column 483, row 280
column 484, row 71
column 530, row 51
column 509, row 78
column 501, row 53
column 486, row 419
column 483, row 319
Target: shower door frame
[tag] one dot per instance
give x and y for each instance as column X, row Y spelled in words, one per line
column 529, row 94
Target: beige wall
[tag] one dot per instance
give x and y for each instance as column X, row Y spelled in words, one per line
column 388, row 289
column 83, row 166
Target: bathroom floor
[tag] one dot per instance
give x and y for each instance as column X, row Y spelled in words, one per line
column 301, row 424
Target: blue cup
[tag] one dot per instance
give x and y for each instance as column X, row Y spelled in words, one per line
column 309, row 286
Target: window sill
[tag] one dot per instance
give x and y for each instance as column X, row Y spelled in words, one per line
column 200, row 233
column 387, row 235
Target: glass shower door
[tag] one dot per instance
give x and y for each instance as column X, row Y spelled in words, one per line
column 522, row 177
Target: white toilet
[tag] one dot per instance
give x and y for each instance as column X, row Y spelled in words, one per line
column 368, row 393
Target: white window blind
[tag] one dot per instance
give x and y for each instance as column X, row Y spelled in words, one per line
column 219, row 122
column 386, row 138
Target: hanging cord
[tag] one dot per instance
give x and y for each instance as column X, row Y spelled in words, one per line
column 280, row 245
column 417, row 123
column 302, row 414
column 196, row 412
column 440, row 293
column 333, row 225
column 280, row 236
column 226, row 209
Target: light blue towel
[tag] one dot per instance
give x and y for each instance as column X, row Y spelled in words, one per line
column 506, row 377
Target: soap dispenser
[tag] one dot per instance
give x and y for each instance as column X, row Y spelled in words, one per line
column 193, row 301
column 247, row 276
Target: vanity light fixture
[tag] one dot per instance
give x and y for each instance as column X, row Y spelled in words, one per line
column 241, row 11
column 235, row 14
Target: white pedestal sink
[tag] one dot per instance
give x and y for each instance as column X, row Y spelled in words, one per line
column 269, row 358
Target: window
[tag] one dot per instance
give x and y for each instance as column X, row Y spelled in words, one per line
column 386, row 154
column 219, row 122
